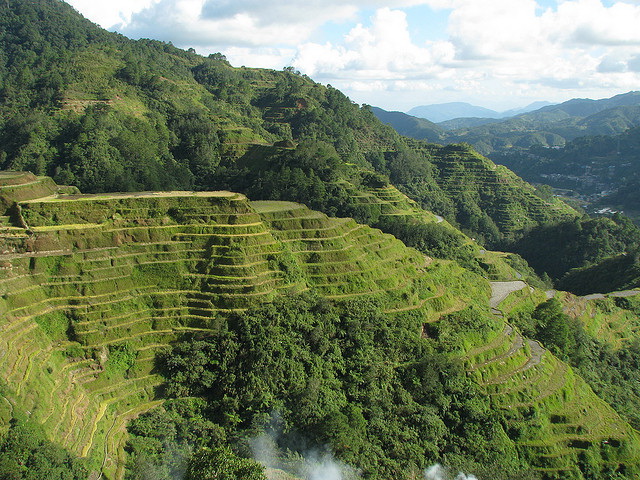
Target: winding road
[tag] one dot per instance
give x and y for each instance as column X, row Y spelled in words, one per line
column 501, row 290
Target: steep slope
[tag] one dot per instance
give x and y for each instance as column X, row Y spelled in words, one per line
column 120, row 115
column 411, row 126
column 95, row 286
column 621, row 272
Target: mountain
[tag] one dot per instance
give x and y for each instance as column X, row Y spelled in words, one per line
column 293, row 280
column 410, row 126
column 114, row 296
column 470, row 122
column 577, row 243
column 555, row 125
column 465, row 122
column 584, row 107
column 549, row 126
column 464, row 114
column 442, row 112
column 529, row 108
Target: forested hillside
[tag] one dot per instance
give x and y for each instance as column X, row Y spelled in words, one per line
column 576, row 243
column 185, row 330
column 124, row 115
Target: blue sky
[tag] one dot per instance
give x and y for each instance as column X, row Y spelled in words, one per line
column 398, row 54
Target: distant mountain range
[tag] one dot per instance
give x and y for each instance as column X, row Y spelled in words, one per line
column 549, row 126
column 442, row 112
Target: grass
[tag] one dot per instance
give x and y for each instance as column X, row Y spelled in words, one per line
column 132, row 273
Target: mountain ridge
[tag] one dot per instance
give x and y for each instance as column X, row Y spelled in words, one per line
column 549, row 126
column 443, row 112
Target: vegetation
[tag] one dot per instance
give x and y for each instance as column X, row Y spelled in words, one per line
column 556, row 249
column 349, row 378
column 392, row 360
column 610, row 368
column 26, row 453
column 179, row 441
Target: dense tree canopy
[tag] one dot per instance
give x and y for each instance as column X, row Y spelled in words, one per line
column 25, row 454
column 348, row 378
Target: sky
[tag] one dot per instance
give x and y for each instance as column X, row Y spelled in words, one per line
column 398, row 54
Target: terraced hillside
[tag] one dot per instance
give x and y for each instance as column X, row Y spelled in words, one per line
column 95, row 286
column 610, row 317
column 556, row 418
column 511, row 204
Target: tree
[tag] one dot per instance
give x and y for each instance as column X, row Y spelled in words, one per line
column 220, row 463
column 553, row 328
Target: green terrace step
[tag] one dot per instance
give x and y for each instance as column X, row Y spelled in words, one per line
column 104, row 276
column 578, row 418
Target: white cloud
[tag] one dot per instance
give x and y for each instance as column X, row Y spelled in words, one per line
column 382, row 51
column 279, row 12
column 634, row 64
column 612, row 64
column 273, row 58
column 183, row 23
column 497, row 48
column 491, row 49
column 589, row 22
column 239, row 22
column 109, row 13
column 487, row 30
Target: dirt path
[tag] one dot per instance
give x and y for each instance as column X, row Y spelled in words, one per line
column 500, row 291
column 594, row 296
column 623, row 293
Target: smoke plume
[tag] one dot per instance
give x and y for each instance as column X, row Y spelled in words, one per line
column 438, row 472
column 308, row 465
column 325, row 468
